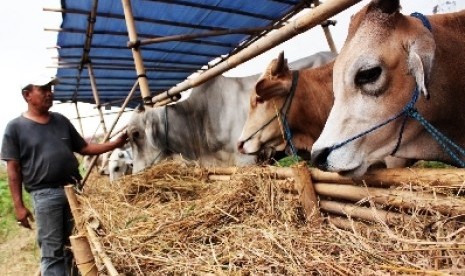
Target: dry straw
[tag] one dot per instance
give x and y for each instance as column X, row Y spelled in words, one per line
column 170, row 220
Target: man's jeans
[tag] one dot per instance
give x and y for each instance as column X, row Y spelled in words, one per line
column 54, row 226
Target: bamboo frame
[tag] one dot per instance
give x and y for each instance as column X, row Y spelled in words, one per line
column 307, row 194
column 74, row 205
column 363, row 213
column 304, row 23
column 100, row 252
column 329, row 37
column 78, row 117
column 447, row 178
column 397, row 198
column 138, row 61
column 107, row 135
column 93, row 85
column 187, row 37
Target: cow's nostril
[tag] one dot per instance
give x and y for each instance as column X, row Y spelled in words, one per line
column 320, row 158
column 240, row 146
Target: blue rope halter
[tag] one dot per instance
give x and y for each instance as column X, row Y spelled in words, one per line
column 410, row 111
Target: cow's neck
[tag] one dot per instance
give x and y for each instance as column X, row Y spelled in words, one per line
column 447, row 85
column 182, row 137
column 311, row 106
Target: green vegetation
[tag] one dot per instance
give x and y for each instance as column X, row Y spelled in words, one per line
column 288, row 161
column 8, row 225
column 431, row 165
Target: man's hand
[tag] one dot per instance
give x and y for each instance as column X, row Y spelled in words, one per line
column 23, row 216
column 122, row 139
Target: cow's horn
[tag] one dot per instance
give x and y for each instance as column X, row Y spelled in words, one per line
column 278, row 65
column 140, row 108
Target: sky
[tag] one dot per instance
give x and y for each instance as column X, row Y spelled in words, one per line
column 28, row 50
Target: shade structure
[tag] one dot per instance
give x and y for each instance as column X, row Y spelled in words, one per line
column 176, row 38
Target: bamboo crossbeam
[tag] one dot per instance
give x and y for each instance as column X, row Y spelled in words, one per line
column 401, row 199
column 344, row 223
column 187, row 37
column 307, row 21
column 280, row 172
column 364, row 213
column 451, row 178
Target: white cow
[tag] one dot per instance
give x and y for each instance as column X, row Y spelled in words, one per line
column 204, row 127
column 120, row 163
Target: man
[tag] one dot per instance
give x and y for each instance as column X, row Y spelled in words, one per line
column 39, row 147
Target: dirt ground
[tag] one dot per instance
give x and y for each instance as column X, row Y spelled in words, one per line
column 19, row 256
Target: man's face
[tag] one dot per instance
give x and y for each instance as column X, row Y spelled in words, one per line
column 40, row 97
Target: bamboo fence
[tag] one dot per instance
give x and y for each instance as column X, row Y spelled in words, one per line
column 174, row 206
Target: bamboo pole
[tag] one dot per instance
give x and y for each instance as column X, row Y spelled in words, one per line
column 101, row 253
column 187, row 37
column 93, row 84
column 329, row 39
column 280, row 172
column 401, row 199
column 364, row 213
column 307, row 194
column 83, row 255
column 325, row 26
column 309, row 20
column 452, row 178
column 448, row 178
column 78, row 117
column 107, row 135
column 136, row 53
column 74, row 205
column 346, row 224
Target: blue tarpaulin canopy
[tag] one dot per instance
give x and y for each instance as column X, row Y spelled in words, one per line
column 95, row 33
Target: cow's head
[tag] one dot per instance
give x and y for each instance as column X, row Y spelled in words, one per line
column 385, row 56
column 143, row 128
column 119, row 164
column 262, row 129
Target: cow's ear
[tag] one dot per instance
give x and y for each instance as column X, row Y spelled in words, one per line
column 420, row 60
column 386, row 6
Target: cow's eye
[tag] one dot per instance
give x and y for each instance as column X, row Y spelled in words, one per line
column 135, row 134
column 366, row 76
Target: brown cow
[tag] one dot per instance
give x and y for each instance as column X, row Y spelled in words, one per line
column 306, row 109
column 385, row 57
column 311, row 99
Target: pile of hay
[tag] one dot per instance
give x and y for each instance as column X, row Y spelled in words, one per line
column 169, row 220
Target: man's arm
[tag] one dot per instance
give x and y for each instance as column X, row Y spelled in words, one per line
column 93, row 149
column 16, row 189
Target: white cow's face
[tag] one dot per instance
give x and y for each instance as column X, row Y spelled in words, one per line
column 142, row 130
column 119, row 164
column 262, row 129
column 373, row 80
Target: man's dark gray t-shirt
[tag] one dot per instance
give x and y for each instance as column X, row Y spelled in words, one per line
column 45, row 151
